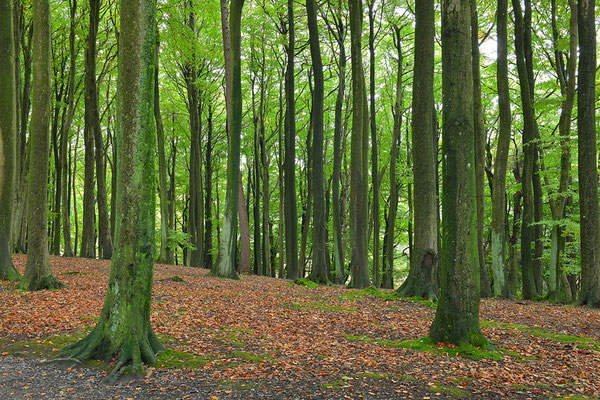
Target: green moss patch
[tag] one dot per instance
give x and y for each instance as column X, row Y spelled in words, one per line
column 173, row 279
column 74, row 273
column 253, row 358
column 46, row 348
column 450, row 391
column 303, row 282
column 178, row 359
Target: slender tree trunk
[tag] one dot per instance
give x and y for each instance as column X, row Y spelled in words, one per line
column 64, row 138
column 208, row 235
column 8, row 130
column 587, row 156
column 529, row 289
column 38, row 273
column 225, row 266
column 484, row 285
column 266, row 224
column 421, row 280
column 291, row 218
column 319, row 271
column 390, row 224
column 124, row 329
column 499, row 266
column 457, row 315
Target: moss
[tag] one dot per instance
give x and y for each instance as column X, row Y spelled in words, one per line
column 451, row 391
column 335, row 385
column 372, row 375
column 238, row 385
column 74, row 273
column 178, row 359
column 307, row 283
column 46, row 348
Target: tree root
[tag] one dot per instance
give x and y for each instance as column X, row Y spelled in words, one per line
column 417, row 287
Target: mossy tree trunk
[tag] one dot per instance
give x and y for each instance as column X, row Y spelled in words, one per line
column 587, row 156
column 319, row 271
column 225, row 266
column 359, row 224
column 499, row 237
column 421, row 280
column 457, row 315
column 208, row 234
column 38, row 274
column 124, row 329
column 8, row 130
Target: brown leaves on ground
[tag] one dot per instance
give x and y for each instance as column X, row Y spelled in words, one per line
column 264, row 329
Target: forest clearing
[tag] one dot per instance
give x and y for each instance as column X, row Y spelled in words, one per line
column 260, row 337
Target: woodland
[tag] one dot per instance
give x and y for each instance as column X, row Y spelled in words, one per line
column 384, row 152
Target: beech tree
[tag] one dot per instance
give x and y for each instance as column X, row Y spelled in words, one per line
column 457, row 315
column 8, row 128
column 123, row 329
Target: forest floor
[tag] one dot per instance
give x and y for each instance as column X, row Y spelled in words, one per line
column 265, row 338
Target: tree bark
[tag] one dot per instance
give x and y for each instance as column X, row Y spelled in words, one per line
column 587, row 156
column 319, row 271
column 208, row 235
column 225, row 266
column 457, row 315
column 38, row 273
column 485, row 290
column 291, row 213
column 499, row 265
column 421, row 280
column 124, row 329
column 8, row 131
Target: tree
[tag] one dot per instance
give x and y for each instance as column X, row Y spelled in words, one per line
column 225, row 266
column 291, row 218
column 38, row 273
column 501, row 161
column 124, row 329
column 424, row 255
column 457, row 315
column 319, row 264
column 8, row 130
column 587, row 157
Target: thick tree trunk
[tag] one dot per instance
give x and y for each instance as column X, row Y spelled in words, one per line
column 124, row 329
column 390, row 223
column 291, row 217
column 38, row 273
column 587, row 159
column 225, row 266
column 499, row 266
column 8, row 131
column 421, row 280
column 359, row 224
column 319, row 271
column 457, row 315
column 485, row 290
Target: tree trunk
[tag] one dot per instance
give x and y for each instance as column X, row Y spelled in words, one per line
column 359, row 265
column 38, row 273
column 8, row 130
column 165, row 255
column 225, row 266
column 529, row 290
column 390, row 224
column 124, row 329
column 587, row 159
column 499, row 266
column 457, row 315
column 64, row 139
column 485, row 290
column 291, row 213
column 421, row 280
column 319, row 272
column 208, row 236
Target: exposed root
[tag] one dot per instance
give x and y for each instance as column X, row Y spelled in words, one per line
column 417, row 287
